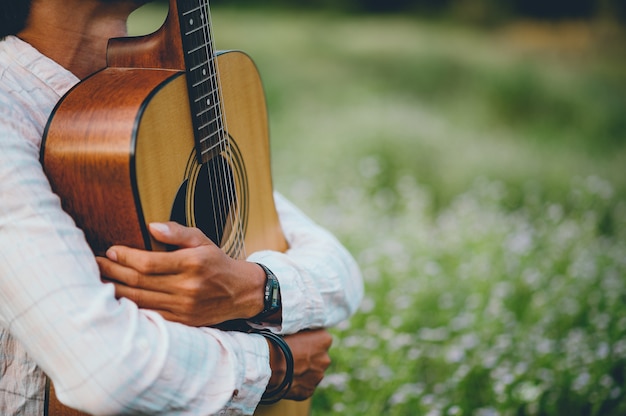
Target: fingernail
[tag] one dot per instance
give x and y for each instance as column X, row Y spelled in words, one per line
column 160, row 227
column 111, row 254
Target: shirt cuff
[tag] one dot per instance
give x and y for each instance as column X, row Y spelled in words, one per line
column 252, row 372
column 301, row 307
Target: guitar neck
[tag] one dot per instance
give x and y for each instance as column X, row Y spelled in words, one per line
column 202, row 78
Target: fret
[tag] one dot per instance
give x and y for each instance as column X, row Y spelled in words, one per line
column 202, row 86
column 208, row 127
column 196, row 57
column 207, row 116
column 209, row 148
column 198, row 66
column 202, row 80
column 203, row 107
column 187, row 7
column 202, row 71
column 213, row 149
column 200, row 105
column 201, row 48
column 191, row 5
column 209, row 130
column 205, row 99
column 205, row 110
column 202, row 75
column 211, row 140
column 194, row 22
column 198, row 36
column 193, row 31
column 209, row 124
column 201, row 91
column 216, row 146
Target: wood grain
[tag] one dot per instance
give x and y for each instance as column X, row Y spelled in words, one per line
column 161, row 49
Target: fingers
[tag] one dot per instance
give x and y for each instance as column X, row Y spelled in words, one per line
column 130, row 268
column 310, row 350
column 178, row 235
column 304, row 384
column 158, row 262
column 142, row 262
column 170, row 306
column 145, row 299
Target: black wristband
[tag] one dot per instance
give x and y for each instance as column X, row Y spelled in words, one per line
column 270, row 397
column 271, row 300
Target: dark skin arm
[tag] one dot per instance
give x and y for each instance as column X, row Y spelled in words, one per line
column 197, row 284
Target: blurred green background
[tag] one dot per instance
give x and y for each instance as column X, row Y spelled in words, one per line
column 472, row 156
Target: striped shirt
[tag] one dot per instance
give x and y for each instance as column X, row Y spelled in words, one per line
column 107, row 356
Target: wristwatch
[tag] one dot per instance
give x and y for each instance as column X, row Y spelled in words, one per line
column 271, row 301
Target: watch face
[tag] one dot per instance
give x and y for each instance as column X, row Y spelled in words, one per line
column 274, row 295
column 272, row 302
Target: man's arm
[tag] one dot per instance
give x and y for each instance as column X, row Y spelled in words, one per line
column 104, row 355
column 320, row 283
column 197, row 284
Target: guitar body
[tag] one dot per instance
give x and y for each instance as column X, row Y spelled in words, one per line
column 121, row 151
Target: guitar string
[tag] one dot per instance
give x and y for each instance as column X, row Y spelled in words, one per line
column 234, row 210
column 202, row 116
column 223, row 145
column 223, row 142
column 237, row 212
column 218, row 219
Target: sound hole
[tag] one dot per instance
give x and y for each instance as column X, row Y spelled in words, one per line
column 207, row 200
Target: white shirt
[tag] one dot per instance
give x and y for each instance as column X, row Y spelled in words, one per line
column 107, row 356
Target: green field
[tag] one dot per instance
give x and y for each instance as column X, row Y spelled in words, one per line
column 479, row 178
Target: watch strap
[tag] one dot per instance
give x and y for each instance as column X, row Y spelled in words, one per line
column 271, row 301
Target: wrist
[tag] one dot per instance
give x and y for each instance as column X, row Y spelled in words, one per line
column 249, row 302
column 278, row 366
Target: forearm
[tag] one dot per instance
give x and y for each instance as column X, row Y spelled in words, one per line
column 109, row 358
column 105, row 356
column 199, row 285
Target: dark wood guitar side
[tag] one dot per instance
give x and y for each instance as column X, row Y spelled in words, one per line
column 127, row 147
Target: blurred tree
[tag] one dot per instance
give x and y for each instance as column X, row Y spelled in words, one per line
column 473, row 10
column 555, row 9
column 480, row 11
column 612, row 10
column 401, row 5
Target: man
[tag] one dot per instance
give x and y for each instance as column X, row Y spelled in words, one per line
column 112, row 356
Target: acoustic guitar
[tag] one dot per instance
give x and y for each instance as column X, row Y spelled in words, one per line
column 170, row 130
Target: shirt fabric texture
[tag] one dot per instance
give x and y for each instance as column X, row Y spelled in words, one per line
column 107, row 356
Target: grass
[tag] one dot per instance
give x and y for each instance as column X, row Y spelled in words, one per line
column 478, row 177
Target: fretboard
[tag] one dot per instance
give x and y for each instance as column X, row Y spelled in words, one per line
column 202, row 80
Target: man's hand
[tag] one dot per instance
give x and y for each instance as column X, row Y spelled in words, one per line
column 310, row 357
column 197, row 284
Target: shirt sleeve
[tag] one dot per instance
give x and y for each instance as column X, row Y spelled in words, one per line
column 320, row 282
column 104, row 356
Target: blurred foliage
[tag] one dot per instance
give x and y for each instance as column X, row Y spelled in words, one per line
column 477, row 174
